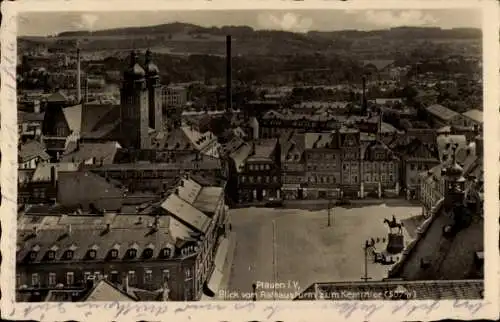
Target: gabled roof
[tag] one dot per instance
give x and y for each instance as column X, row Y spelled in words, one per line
column 57, row 97
column 73, row 115
column 32, row 149
column 240, row 155
column 105, row 291
column 186, row 212
column 104, row 152
column 475, row 115
column 442, row 112
column 263, row 150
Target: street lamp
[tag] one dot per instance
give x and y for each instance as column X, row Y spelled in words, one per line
column 254, row 288
column 366, row 277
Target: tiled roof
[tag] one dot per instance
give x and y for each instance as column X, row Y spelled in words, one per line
column 73, row 115
column 31, row 150
column 442, row 112
column 104, row 152
column 186, row 163
column 89, row 232
column 475, row 114
column 424, row 290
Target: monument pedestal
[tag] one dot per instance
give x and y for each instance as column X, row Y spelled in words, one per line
column 395, row 243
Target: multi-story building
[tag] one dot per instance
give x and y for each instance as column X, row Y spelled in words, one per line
column 261, row 175
column 293, row 163
column 380, row 169
column 323, row 158
column 350, row 145
column 30, row 154
column 30, row 125
column 441, row 116
column 173, row 96
column 57, row 250
column 273, row 123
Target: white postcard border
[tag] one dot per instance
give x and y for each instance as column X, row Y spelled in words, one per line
column 260, row 310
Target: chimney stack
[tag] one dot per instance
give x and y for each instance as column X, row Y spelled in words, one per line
column 53, row 180
column 78, row 77
column 364, row 103
column 228, row 74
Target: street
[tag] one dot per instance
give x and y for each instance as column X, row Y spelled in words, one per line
column 285, row 250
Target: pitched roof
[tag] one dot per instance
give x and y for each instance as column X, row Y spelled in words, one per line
column 185, row 212
column 32, row 149
column 320, row 140
column 474, row 114
column 442, row 112
column 445, row 142
column 105, row 291
column 42, row 171
column 86, row 151
column 240, row 155
column 73, row 115
column 263, row 150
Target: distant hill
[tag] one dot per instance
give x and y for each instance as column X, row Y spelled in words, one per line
column 183, row 38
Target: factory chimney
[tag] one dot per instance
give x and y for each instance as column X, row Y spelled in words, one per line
column 78, row 77
column 228, row 74
column 364, row 103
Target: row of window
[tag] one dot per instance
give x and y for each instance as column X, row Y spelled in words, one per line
column 259, row 167
column 419, row 167
column 114, row 276
column 376, row 178
column 258, row 179
column 322, row 179
column 147, row 253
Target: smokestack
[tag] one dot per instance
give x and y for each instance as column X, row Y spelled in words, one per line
column 364, row 103
column 78, row 77
column 53, row 180
column 228, row 74
column 86, row 99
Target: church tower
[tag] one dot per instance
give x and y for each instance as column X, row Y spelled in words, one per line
column 134, row 106
column 154, row 93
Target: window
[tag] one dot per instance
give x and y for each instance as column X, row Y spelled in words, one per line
column 113, row 253
column 165, row 275
column 187, row 273
column 52, row 279
column 166, row 252
column 97, row 275
column 148, row 276
column 51, row 255
column 267, row 179
column 355, row 179
column 132, row 253
column 35, row 280
column 68, row 255
column 92, row 254
column 132, row 278
column 86, row 276
column 259, row 179
column 148, row 253
column 275, row 179
column 242, row 179
column 70, row 278
column 114, row 277
column 391, row 178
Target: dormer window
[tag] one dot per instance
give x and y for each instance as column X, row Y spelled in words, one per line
column 148, row 251
column 51, row 255
column 92, row 252
column 34, row 252
column 69, row 254
column 113, row 253
column 166, row 252
column 132, row 251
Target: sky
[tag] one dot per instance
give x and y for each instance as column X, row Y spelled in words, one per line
column 51, row 23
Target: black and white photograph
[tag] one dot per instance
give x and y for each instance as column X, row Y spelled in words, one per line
column 250, row 155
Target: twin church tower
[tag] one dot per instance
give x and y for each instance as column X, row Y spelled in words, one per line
column 141, row 102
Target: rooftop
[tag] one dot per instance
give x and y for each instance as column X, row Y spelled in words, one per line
column 442, row 112
column 32, row 149
column 85, row 152
column 475, row 115
column 321, row 140
column 263, row 150
column 42, row 171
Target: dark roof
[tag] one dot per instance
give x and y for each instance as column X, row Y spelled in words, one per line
column 442, row 112
column 31, row 150
column 449, row 258
column 424, row 290
column 377, row 146
column 30, row 117
column 104, row 152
